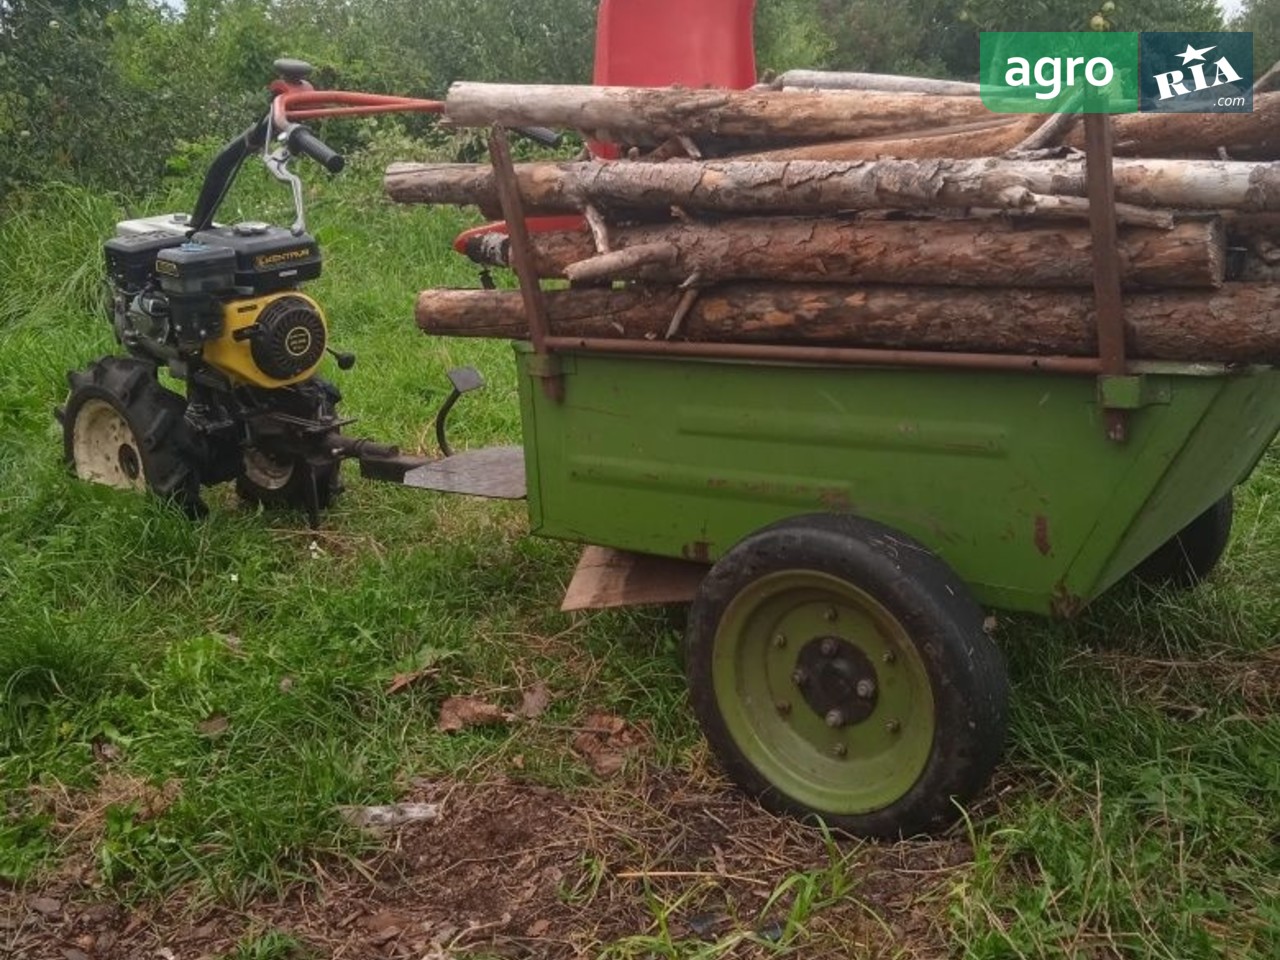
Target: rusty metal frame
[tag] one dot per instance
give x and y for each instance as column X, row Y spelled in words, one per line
column 1107, row 297
column 535, row 304
column 860, row 356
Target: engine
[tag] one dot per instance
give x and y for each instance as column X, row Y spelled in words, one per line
column 226, row 296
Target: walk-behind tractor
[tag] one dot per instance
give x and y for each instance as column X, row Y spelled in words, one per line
column 838, row 516
column 222, row 309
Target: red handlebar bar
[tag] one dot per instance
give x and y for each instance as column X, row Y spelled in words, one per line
column 295, row 105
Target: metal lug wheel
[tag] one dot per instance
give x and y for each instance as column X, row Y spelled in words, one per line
column 122, row 429
column 840, row 670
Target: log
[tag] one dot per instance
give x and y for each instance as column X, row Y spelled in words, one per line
column 1238, row 323
column 833, row 80
column 590, row 268
column 958, row 252
column 982, row 138
column 750, row 187
column 1244, row 135
column 650, row 115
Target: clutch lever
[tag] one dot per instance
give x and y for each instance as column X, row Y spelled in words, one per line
column 278, row 163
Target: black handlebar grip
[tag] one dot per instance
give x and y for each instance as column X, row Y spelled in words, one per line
column 542, row 136
column 301, row 140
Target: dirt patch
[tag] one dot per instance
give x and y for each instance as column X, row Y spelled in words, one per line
column 520, row 870
column 1187, row 689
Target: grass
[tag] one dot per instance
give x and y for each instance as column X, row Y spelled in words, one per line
column 184, row 705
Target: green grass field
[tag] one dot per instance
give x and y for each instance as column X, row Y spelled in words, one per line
column 184, row 705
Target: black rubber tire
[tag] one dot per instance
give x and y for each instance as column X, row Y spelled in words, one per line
column 1192, row 554
column 159, row 438
column 965, row 668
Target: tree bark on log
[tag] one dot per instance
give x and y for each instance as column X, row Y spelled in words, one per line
column 983, row 138
column 957, row 252
column 804, row 186
column 650, row 115
column 1239, row 323
column 1243, row 135
column 834, row 80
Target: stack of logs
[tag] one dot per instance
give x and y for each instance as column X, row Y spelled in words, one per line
column 900, row 219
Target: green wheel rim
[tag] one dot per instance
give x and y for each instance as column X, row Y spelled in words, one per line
column 848, row 770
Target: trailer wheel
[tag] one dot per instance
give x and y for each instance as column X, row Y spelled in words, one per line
column 122, row 429
column 1192, row 554
column 840, row 671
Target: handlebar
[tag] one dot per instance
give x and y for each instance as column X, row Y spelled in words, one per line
column 301, row 140
column 294, row 100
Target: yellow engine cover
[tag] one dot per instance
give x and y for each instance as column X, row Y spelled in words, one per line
column 234, row 355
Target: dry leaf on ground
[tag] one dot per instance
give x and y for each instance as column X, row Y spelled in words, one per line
column 215, row 725
column 459, row 713
column 534, row 701
column 604, row 742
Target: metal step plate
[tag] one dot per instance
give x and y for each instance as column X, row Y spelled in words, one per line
column 496, row 472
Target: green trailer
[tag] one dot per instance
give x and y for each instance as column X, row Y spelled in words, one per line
column 842, row 516
column 844, row 528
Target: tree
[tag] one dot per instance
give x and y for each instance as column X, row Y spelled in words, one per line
column 1262, row 17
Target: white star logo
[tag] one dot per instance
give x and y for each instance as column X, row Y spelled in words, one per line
column 1191, row 53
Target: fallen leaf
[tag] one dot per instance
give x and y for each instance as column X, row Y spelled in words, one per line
column 538, row 928
column 215, row 725
column 384, row 922
column 534, row 701
column 46, row 906
column 605, row 723
column 604, row 741
column 459, row 713
column 602, row 761
column 402, row 680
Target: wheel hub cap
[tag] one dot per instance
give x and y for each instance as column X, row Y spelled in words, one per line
column 104, row 449
column 837, row 681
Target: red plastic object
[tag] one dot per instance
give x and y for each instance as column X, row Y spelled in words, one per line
column 657, row 43
column 535, row 225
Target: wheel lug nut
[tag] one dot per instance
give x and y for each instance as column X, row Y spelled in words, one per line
column 866, row 689
column 783, row 707
column 840, row 750
column 893, row 726
column 799, row 677
column 832, row 615
column 889, row 657
column 829, row 647
column 780, row 640
column 835, row 718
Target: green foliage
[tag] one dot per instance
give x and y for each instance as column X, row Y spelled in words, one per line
column 1262, row 17
column 110, row 92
